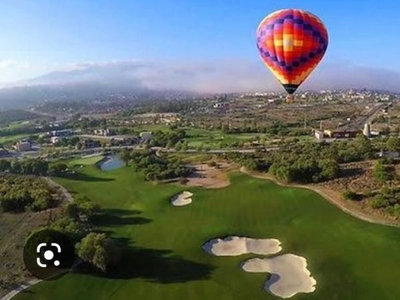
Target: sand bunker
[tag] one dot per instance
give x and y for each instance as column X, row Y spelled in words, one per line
column 289, row 274
column 182, row 199
column 234, row 246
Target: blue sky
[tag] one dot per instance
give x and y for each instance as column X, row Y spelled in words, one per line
column 45, row 35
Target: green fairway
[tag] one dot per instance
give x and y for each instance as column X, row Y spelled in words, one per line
column 349, row 258
column 86, row 161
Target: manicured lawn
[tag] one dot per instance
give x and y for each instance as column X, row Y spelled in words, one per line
column 86, row 161
column 349, row 258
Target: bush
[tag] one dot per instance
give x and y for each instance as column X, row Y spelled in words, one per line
column 72, row 228
column 350, row 195
column 19, row 193
column 382, row 172
column 99, row 250
column 378, row 202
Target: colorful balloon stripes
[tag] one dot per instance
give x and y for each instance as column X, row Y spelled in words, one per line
column 291, row 43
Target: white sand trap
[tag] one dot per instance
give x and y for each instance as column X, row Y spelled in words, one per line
column 234, row 246
column 182, row 199
column 289, row 274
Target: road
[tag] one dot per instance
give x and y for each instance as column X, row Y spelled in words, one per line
column 100, row 149
column 365, row 117
column 114, row 137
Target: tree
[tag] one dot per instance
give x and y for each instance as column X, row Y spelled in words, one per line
column 72, row 211
column 382, row 172
column 349, row 195
column 125, row 155
column 169, row 145
column 4, row 165
column 16, row 167
column 250, row 164
column 73, row 229
column 364, row 146
column 393, row 144
column 57, row 169
column 41, row 140
column 85, row 207
column 330, row 169
column 178, row 146
column 184, row 146
column 98, row 250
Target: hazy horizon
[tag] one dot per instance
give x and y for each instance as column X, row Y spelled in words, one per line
column 222, row 76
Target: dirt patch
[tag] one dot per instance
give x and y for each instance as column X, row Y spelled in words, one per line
column 356, row 176
column 14, row 229
column 210, row 177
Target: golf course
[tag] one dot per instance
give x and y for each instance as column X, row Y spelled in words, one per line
column 349, row 258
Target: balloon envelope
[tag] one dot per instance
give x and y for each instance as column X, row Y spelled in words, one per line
column 291, row 43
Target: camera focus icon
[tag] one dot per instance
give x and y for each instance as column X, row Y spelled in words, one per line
column 48, row 254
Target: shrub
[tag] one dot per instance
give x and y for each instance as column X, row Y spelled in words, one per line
column 350, row 195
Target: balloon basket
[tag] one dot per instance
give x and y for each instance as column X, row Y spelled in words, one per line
column 289, row 98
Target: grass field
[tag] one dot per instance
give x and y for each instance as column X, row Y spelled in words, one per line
column 213, row 138
column 86, row 161
column 13, row 138
column 349, row 258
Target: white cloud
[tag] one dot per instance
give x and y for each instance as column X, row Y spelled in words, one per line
column 228, row 75
column 10, row 63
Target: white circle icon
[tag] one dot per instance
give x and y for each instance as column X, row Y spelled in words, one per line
column 49, row 255
column 56, row 263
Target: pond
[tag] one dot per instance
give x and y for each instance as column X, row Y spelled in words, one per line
column 111, row 163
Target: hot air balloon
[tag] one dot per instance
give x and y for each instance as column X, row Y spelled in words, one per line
column 291, row 43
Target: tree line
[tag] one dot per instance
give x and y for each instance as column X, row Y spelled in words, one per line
column 93, row 248
column 21, row 193
column 307, row 162
column 36, row 166
column 155, row 167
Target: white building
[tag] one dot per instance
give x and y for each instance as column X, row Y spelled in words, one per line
column 367, row 130
column 55, row 139
column 319, row 134
column 104, row 132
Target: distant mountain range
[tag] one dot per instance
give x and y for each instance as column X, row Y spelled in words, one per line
column 132, row 79
column 86, row 83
